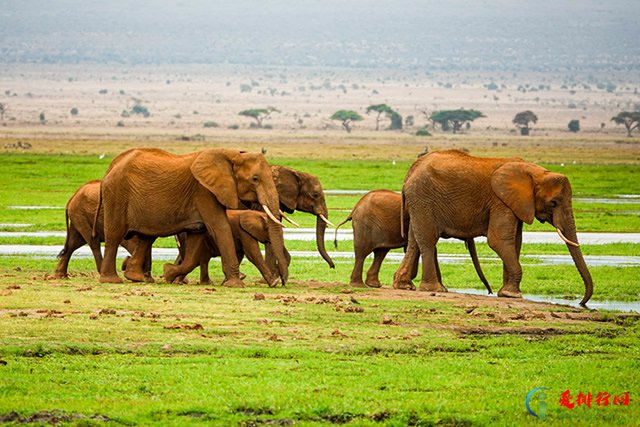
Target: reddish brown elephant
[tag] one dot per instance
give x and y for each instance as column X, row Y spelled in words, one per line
column 248, row 227
column 453, row 194
column 80, row 215
column 154, row 193
column 377, row 228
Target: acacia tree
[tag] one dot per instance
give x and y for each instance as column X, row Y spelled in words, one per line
column 630, row 120
column 346, row 117
column 258, row 114
column 396, row 119
column 454, row 119
column 522, row 120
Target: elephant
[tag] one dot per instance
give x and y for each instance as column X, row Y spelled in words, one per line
column 80, row 214
column 155, row 193
column 377, row 228
column 453, row 194
column 248, row 227
column 303, row 192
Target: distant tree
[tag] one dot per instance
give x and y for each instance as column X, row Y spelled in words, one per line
column 454, row 119
column 74, row 111
column 522, row 120
column 574, row 125
column 3, row 110
column 42, row 117
column 258, row 114
column 630, row 120
column 141, row 110
column 408, row 121
column 396, row 119
column 346, row 117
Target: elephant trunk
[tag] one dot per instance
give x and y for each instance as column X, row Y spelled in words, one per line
column 321, row 227
column 568, row 227
column 271, row 206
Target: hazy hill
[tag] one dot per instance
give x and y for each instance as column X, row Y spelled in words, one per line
column 543, row 35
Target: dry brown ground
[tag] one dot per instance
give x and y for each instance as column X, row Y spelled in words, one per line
column 182, row 98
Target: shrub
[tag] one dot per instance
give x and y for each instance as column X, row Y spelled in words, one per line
column 574, row 125
column 74, row 111
column 423, row 132
column 234, row 127
column 210, row 124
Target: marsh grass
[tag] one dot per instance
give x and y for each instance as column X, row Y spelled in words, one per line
column 314, row 352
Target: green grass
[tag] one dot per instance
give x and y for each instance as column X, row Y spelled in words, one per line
column 126, row 352
column 161, row 354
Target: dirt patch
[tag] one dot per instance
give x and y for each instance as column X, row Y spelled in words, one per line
column 50, row 417
column 522, row 330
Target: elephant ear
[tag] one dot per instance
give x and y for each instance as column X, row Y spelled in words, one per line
column 288, row 186
column 214, row 170
column 513, row 184
column 255, row 224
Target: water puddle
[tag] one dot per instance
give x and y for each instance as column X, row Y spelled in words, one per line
column 627, row 306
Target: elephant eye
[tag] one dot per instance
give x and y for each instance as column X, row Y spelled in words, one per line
column 315, row 195
column 255, row 178
column 553, row 204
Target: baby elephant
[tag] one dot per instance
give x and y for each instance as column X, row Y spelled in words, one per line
column 377, row 229
column 248, row 228
column 80, row 215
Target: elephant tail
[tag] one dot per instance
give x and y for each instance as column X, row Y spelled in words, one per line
column 403, row 226
column 65, row 248
column 94, row 231
column 335, row 235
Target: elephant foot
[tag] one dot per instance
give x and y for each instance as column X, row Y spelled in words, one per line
column 509, row 293
column 273, row 282
column 406, row 286
column 242, row 276
column 110, row 279
column 357, row 284
column 135, row 276
column 57, row 275
column 373, row 283
column 148, row 278
column 234, row 282
column 432, row 287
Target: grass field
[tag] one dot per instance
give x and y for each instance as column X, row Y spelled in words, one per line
column 77, row 352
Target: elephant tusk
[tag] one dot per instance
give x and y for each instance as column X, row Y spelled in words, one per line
column 326, row 220
column 567, row 241
column 270, row 215
column 289, row 219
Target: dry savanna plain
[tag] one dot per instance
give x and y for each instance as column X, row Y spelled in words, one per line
column 316, row 351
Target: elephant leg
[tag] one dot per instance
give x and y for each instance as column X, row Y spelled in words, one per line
column 193, row 249
column 137, row 267
column 73, row 242
column 504, row 241
column 134, row 269
column 215, row 219
column 252, row 251
column 408, row 269
column 431, row 278
column 372, row 279
column 108, row 272
column 356, row 274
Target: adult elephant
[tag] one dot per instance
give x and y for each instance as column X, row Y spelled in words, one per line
column 80, row 214
column 453, row 194
column 377, row 228
column 155, row 193
column 248, row 227
column 301, row 191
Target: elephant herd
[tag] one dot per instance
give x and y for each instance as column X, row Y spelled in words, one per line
column 221, row 202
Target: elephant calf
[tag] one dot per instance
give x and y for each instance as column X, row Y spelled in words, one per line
column 80, row 215
column 377, row 228
column 248, row 228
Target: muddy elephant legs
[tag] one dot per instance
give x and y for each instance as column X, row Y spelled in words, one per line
column 506, row 241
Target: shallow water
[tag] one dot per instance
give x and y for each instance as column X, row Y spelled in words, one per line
column 628, row 306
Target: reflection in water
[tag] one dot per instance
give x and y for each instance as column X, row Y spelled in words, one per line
column 593, row 305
